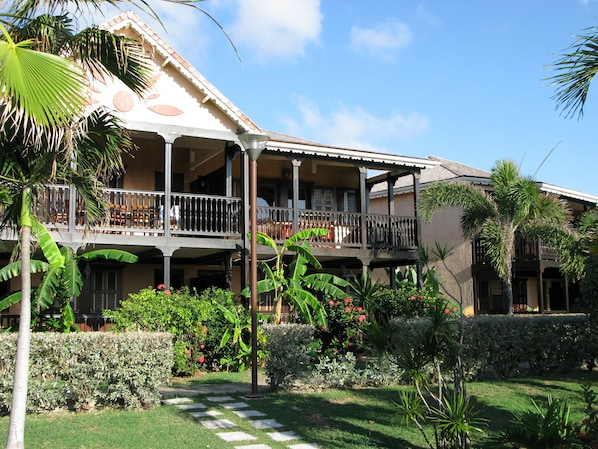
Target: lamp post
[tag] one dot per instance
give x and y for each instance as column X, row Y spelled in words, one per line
column 254, row 144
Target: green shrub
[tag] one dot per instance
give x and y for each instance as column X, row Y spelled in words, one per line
column 544, row 342
column 342, row 333
column 196, row 321
column 79, row 371
column 288, row 353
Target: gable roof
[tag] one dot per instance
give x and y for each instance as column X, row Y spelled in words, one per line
column 449, row 170
column 208, row 95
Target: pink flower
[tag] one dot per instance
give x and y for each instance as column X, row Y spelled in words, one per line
column 201, row 359
column 455, row 309
column 331, row 302
column 323, row 328
column 412, row 298
column 167, row 292
column 188, row 351
column 420, row 298
column 161, row 287
column 447, row 311
column 361, row 318
column 347, row 309
column 202, row 346
column 359, row 310
column 347, row 300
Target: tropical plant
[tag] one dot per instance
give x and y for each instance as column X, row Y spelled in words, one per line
column 588, row 245
column 514, row 206
column 291, row 282
column 60, row 285
column 576, row 70
column 541, row 428
column 427, row 351
column 240, row 338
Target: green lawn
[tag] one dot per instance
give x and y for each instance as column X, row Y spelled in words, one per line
column 359, row 418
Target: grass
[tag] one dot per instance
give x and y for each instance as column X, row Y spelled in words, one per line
column 361, row 418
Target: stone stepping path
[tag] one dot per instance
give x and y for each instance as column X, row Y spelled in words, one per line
column 210, row 416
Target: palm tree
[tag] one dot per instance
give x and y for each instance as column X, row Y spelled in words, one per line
column 576, row 69
column 78, row 151
column 43, row 126
column 514, row 206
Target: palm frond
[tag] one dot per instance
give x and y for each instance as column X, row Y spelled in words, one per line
column 575, row 71
column 106, row 54
column 23, row 71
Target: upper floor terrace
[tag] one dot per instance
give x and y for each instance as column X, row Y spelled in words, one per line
column 203, row 216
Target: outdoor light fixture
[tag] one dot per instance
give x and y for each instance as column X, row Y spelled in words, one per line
column 254, row 144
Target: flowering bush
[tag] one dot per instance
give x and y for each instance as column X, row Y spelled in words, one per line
column 342, row 332
column 409, row 301
column 196, row 321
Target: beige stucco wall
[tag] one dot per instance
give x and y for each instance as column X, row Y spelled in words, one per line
column 456, row 277
column 444, row 229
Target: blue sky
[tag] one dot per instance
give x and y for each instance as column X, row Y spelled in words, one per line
column 462, row 80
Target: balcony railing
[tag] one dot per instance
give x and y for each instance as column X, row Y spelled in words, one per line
column 526, row 249
column 344, row 228
column 142, row 212
column 139, row 212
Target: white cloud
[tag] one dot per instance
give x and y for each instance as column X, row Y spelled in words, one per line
column 382, row 40
column 277, row 29
column 354, row 127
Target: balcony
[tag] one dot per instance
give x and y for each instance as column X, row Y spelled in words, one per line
column 344, row 228
column 138, row 212
column 526, row 250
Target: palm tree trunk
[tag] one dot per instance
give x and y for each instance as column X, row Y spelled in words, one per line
column 508, row 296
column 18, row 408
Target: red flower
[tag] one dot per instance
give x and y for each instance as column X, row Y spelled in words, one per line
column 447, row 311
column 420, row 298
column 361, row 318
column 201, row 359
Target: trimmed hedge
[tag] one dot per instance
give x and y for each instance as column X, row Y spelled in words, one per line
column 561, row 342
column 82, row 371
column 288, row 353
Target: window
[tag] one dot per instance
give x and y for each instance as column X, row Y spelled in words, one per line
column 105, row 290
column 346, row 200
column 323, row 199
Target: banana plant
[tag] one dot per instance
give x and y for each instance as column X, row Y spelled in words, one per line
column 61, row 283
column 292, row 282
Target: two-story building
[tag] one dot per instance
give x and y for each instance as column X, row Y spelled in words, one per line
column 182, row 205
column 538, row 283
